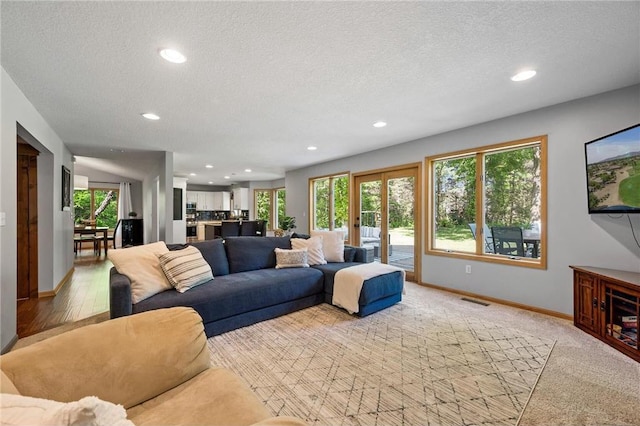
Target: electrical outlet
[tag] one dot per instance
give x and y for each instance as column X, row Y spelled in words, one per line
column 467, row 269
column 3, row 218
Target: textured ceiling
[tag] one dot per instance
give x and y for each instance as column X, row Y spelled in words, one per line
column 264, row 80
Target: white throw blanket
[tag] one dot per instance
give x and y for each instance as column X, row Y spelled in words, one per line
column 348, row 283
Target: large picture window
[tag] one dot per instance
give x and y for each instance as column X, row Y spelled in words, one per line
column 489, row 203
column 99, row 204
column 329, row 197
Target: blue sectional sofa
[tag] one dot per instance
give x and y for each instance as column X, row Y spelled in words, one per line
column 247, row 288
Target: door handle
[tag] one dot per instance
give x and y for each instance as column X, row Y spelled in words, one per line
column 595, row 302
column 603, row 305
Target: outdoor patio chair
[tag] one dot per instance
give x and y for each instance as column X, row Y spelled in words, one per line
column 508, row 240
column 488, row 240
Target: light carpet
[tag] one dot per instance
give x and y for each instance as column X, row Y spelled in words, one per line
column 413, row 363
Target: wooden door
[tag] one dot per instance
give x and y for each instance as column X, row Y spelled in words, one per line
column 27, row 221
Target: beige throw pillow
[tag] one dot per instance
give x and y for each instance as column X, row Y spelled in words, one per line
column 291, row 258
column 185, row 268
column 89, row 411
column 142, row 266
column 315, row 255
column 332, row 245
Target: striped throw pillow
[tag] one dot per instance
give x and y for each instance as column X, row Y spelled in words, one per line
column 185, row 268
column 315, row 255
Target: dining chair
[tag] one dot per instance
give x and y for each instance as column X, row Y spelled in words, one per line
column 230, row 228
column 90, row 237
column 112, row 237
column 508, row 240
column 249, row 228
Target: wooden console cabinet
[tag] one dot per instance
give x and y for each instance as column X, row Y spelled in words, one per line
column 606, row 304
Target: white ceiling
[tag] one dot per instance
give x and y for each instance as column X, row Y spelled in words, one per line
column 264, row 80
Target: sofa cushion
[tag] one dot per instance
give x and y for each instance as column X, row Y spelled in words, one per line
column 185, row 268
column 216, row 396
column 215, row 254
column 313, row 245
column 243, row 292
column 373, row 289
column 6, row 385
column 253, row 253
column 291, row 258
column 142, row 266
column 332, row 245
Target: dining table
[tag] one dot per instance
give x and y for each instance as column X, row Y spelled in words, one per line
column 95, row 230
column 532, row 237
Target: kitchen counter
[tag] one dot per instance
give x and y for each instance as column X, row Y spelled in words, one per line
column 201, row 227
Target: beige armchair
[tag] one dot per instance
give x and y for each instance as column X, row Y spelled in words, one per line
column 156, row 364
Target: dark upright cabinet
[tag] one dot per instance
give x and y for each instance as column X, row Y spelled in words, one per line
column 132, row 232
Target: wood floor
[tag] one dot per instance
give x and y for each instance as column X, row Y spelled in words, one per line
column 86, row 294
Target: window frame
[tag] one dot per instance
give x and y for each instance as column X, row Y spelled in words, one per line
column 480, row 152
column 331, row 204
column 92, row 200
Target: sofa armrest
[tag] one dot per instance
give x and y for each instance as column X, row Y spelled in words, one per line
column 125, row 361
column 119, row 295
column 361, row 254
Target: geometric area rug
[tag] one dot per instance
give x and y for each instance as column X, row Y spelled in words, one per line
column 412, row 363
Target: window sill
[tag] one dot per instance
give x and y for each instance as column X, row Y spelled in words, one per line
column 492, row 258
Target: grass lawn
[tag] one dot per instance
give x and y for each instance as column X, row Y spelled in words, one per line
column 628, row 191
column 456, row 238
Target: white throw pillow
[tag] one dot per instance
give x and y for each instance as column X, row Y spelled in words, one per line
column 332, row 245
column 185, row 268
column 142, row 266
column 89, row 411
column 315, row 255
column 291, row 258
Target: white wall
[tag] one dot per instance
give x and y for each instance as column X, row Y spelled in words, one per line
column 157, row 201
column 55, row 231
column 574, row 237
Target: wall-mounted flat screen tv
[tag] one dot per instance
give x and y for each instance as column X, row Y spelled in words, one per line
column 613, row 172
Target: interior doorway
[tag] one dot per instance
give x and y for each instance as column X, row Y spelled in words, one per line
column 387, row 215
column 27, row 221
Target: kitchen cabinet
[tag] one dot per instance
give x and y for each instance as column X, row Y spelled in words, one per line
column 221, row 201
column 192, row 196
column 606, row 304
column 210, row 201
column 241, row 199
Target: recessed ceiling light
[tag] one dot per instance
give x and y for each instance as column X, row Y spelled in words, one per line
column 379, row 124
column 524, row 75
column 210, row 183
column 209, row 166
column 312, row 148
column 174, row 56
column 247, row 170
column 227, row 177
column 192, row 174
column 150, row 116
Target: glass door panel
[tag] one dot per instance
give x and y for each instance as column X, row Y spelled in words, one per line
column 400, row 222
column 386, row 217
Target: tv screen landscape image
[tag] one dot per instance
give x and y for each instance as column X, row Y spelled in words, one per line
column 613, row 172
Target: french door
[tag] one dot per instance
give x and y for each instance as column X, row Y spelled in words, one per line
column 387, row 216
